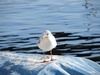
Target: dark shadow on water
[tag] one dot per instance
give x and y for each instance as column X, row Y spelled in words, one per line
column 86, row 49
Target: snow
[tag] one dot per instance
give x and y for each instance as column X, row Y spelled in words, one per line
column 12, row 63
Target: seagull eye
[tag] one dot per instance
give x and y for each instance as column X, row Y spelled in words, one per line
column 47, row 34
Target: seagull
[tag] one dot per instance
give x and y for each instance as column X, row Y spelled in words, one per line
column 47, row 42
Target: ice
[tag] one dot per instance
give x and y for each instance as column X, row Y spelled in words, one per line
column 12, row 63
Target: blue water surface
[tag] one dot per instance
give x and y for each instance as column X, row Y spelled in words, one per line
column 74, row 23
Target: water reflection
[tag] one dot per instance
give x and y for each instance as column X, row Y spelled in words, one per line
column 91, row 13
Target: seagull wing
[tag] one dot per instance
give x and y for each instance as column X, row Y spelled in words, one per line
column 40, row 39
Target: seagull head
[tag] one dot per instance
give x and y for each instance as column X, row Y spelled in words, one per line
column 47, row 33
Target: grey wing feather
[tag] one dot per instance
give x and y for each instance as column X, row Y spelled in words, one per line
column 40, row 39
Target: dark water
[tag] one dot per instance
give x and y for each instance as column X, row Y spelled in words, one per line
column 74, row 23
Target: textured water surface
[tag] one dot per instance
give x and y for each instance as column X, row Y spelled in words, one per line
column 74, row 23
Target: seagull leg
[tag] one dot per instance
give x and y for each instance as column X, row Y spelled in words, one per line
column 44, row 57
column 51, row 55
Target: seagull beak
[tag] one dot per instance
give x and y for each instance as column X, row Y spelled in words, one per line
column 44, row 36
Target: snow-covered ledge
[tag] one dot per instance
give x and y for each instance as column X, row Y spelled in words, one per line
column 31, row 64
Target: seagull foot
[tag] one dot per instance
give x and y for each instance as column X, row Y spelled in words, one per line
column 44, row 61
column 52, row 59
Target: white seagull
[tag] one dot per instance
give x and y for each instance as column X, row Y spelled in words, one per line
column 47, row 42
